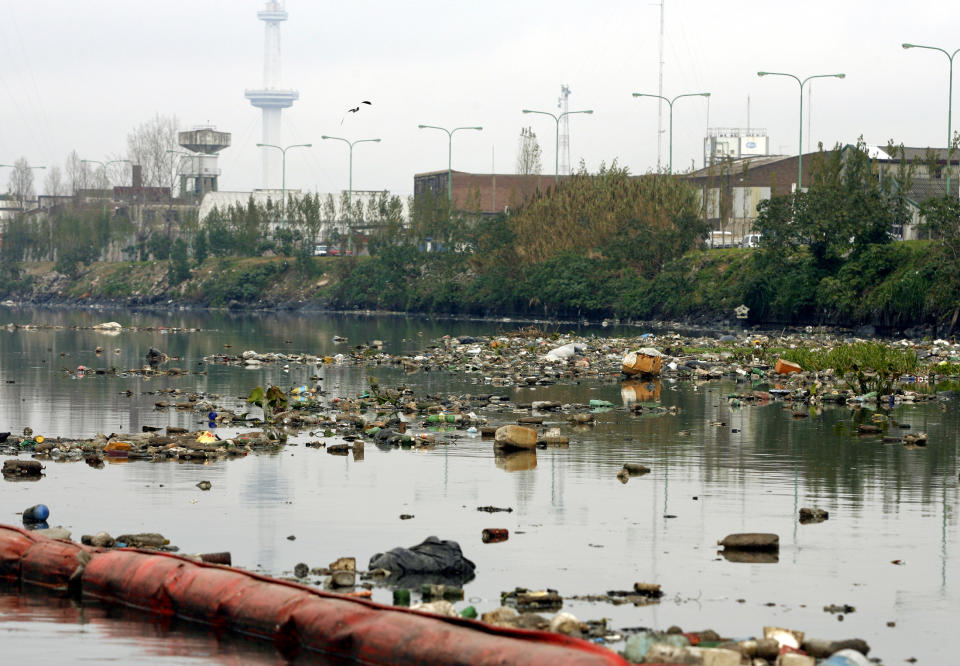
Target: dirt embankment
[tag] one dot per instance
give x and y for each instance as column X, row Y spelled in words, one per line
column 237, row 283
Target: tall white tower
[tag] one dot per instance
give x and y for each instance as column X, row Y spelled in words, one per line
column 271, row 99
column 563, row 103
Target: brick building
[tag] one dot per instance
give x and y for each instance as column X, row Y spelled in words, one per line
column 732, row 189
column 492, row 193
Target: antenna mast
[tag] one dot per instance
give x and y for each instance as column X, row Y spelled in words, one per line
column 660, row 92
column 564, row 147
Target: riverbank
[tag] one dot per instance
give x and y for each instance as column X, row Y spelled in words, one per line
column 895, row 289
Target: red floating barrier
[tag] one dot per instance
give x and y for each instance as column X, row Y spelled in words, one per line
column 295, row 617
column 36, row 560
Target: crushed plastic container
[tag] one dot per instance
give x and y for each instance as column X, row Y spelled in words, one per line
column 36, row 513
column 846, row 658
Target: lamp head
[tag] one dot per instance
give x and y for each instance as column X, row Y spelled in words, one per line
column 475, row 128
column 377, row 140
column 324, row 136
column 261, row 145
column 762, row 73
column 705, row 94
column 841, row 76
column 907, row 46
column 421, row 126
column 527, row 111
column 308, row 145
column 590, row 111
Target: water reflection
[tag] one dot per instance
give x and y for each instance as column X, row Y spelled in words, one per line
column 635, row 390
column 515, row 461
column 717, row 467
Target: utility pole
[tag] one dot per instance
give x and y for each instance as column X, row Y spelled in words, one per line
column 660, row 93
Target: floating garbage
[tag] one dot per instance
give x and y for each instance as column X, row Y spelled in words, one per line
column 644, row 361
column 751, row 541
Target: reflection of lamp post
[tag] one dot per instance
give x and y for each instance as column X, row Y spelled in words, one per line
column 283, row 190
column 800, row 148
column 949, row 104
column 449, row 154
column 670, row 104
column 556, row 174
column 350, row 191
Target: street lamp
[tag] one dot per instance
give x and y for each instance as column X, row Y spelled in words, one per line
column 350, row 191
column 14, row 166
column 949, row 103
column 670, row 104
column 800, row 148
column 283, row 191
column 104, row 166
column 556, row 175
column 449, row 154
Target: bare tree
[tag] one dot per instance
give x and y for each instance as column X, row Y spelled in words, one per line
column 78, row 175
column 148, row 145
column 528, row 153
column 53, row 184
column 21, row 182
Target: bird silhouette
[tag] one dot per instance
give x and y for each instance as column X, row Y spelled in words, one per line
column 356, row 108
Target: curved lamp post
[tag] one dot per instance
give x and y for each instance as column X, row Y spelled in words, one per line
column 556, row 118
column 449, row 154
column 106, row 180
column 949, row 103
column 283, row 190
column 13, row 166
column 802, row 82
column 350, row 191
column 670, row 104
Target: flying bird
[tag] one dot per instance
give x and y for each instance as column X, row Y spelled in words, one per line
column 356, row 108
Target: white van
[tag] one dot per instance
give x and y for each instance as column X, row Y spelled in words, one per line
column 750, row 240
column 319, row 250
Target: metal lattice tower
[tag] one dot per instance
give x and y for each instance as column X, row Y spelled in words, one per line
column 564, row 148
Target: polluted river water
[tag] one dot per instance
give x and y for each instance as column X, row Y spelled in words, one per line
column 888, row 549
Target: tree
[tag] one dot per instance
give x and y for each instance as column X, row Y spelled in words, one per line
column 21, row 182
column 178, row 269
column 529, row 160
column 148, row 145
column 846, row 210
column 77, row 173
column 53, row 184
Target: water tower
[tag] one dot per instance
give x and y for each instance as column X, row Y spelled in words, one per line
column 271, row 99
column 198, row 171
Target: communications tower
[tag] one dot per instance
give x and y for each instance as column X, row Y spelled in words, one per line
column 564, row 148
column 271, row 99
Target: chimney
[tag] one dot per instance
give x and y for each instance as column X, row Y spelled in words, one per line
column 136, row 172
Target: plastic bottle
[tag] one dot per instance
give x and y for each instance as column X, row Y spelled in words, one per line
column 846, row 658
column 36, row 513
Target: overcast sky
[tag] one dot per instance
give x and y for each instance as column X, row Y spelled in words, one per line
column 78, row 75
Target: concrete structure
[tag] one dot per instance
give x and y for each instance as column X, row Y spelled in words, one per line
column 198, row 172
column 730, row 190
column 490, row 193
column 727, row 143
column 271, row 99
